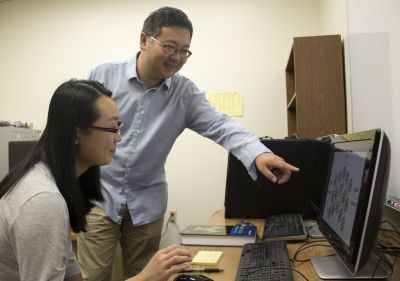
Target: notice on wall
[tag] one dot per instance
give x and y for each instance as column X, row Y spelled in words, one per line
column 230, row 103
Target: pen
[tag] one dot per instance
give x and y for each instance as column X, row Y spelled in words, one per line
column 206, row 269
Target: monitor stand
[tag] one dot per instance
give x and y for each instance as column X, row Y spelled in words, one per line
column 331, row 267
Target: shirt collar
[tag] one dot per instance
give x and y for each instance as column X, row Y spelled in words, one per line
column 131, row 73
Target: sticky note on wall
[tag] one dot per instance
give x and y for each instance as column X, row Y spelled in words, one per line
column 230, row 103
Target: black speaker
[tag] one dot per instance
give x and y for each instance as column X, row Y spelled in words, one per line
column 245, row 197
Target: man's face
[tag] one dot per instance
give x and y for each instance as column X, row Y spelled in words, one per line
column 158, row 63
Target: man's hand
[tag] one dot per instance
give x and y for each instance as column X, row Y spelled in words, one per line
column 164, row 263
column 274, row 168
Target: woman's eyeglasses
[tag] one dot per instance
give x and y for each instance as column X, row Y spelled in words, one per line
column 115, row 129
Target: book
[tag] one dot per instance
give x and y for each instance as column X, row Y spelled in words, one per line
column 216, row 235
column 207, row 257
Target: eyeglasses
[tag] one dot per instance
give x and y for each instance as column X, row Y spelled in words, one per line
column 172, row 50
column 115, row 129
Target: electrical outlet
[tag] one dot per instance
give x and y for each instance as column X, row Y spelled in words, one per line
column 172, row 215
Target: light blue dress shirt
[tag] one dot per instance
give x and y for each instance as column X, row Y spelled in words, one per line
column 153, row 119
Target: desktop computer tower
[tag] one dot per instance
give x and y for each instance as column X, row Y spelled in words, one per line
column 11, row 134
column 245, row 197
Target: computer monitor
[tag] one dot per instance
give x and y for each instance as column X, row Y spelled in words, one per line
column 321, row 160
column 18, row 151
column 352, row 205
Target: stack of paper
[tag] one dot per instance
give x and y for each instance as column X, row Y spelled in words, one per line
column 207, row 257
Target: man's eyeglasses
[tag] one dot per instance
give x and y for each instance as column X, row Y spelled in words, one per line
column 172, row 50
column 115, row 129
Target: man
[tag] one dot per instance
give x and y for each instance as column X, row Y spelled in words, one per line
column 156, row 104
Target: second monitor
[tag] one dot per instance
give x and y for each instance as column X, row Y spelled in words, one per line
column 352, row 206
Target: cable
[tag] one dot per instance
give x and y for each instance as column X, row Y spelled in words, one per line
column 217, row 211
column 383, row 259
column 310, row 205
column 391, row 251
column 305, row 246
column 166, row 226
column 385, row 247
column 390, row 223
column 301, row 274
column 387, row 243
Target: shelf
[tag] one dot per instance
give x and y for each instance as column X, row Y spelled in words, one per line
column 315, row 94
column 292, row 103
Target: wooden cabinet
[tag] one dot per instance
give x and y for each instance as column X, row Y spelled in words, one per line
column 315, row 92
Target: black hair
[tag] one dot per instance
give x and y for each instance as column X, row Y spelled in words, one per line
column 166, row 16
column 72, row 106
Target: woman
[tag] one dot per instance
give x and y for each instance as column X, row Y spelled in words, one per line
column 51, row 191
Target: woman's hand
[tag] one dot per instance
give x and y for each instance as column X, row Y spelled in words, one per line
column 164, row 263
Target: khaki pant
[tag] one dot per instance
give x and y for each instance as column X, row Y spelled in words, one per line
column 96, row 247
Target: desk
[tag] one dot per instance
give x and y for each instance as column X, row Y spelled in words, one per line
column 231, row 255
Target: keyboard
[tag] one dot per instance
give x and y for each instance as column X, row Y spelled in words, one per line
column 267, row 261
column 284, row 227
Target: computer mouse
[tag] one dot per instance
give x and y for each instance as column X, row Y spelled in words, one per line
column 192, row 277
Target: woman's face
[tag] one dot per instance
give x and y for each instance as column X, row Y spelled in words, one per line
column 97, row 147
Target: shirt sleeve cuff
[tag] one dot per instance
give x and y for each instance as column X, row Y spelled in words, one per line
column 249, row 156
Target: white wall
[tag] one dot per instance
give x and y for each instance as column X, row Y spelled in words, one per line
column 237, row 46
column 374, row 41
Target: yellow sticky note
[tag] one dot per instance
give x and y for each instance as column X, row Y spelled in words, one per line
column 207, row 257
column 228, row 103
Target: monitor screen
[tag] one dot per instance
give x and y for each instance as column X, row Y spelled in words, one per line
column 348, row 174
column 354, row 195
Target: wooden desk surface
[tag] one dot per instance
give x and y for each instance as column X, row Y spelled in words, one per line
column 231, row 256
